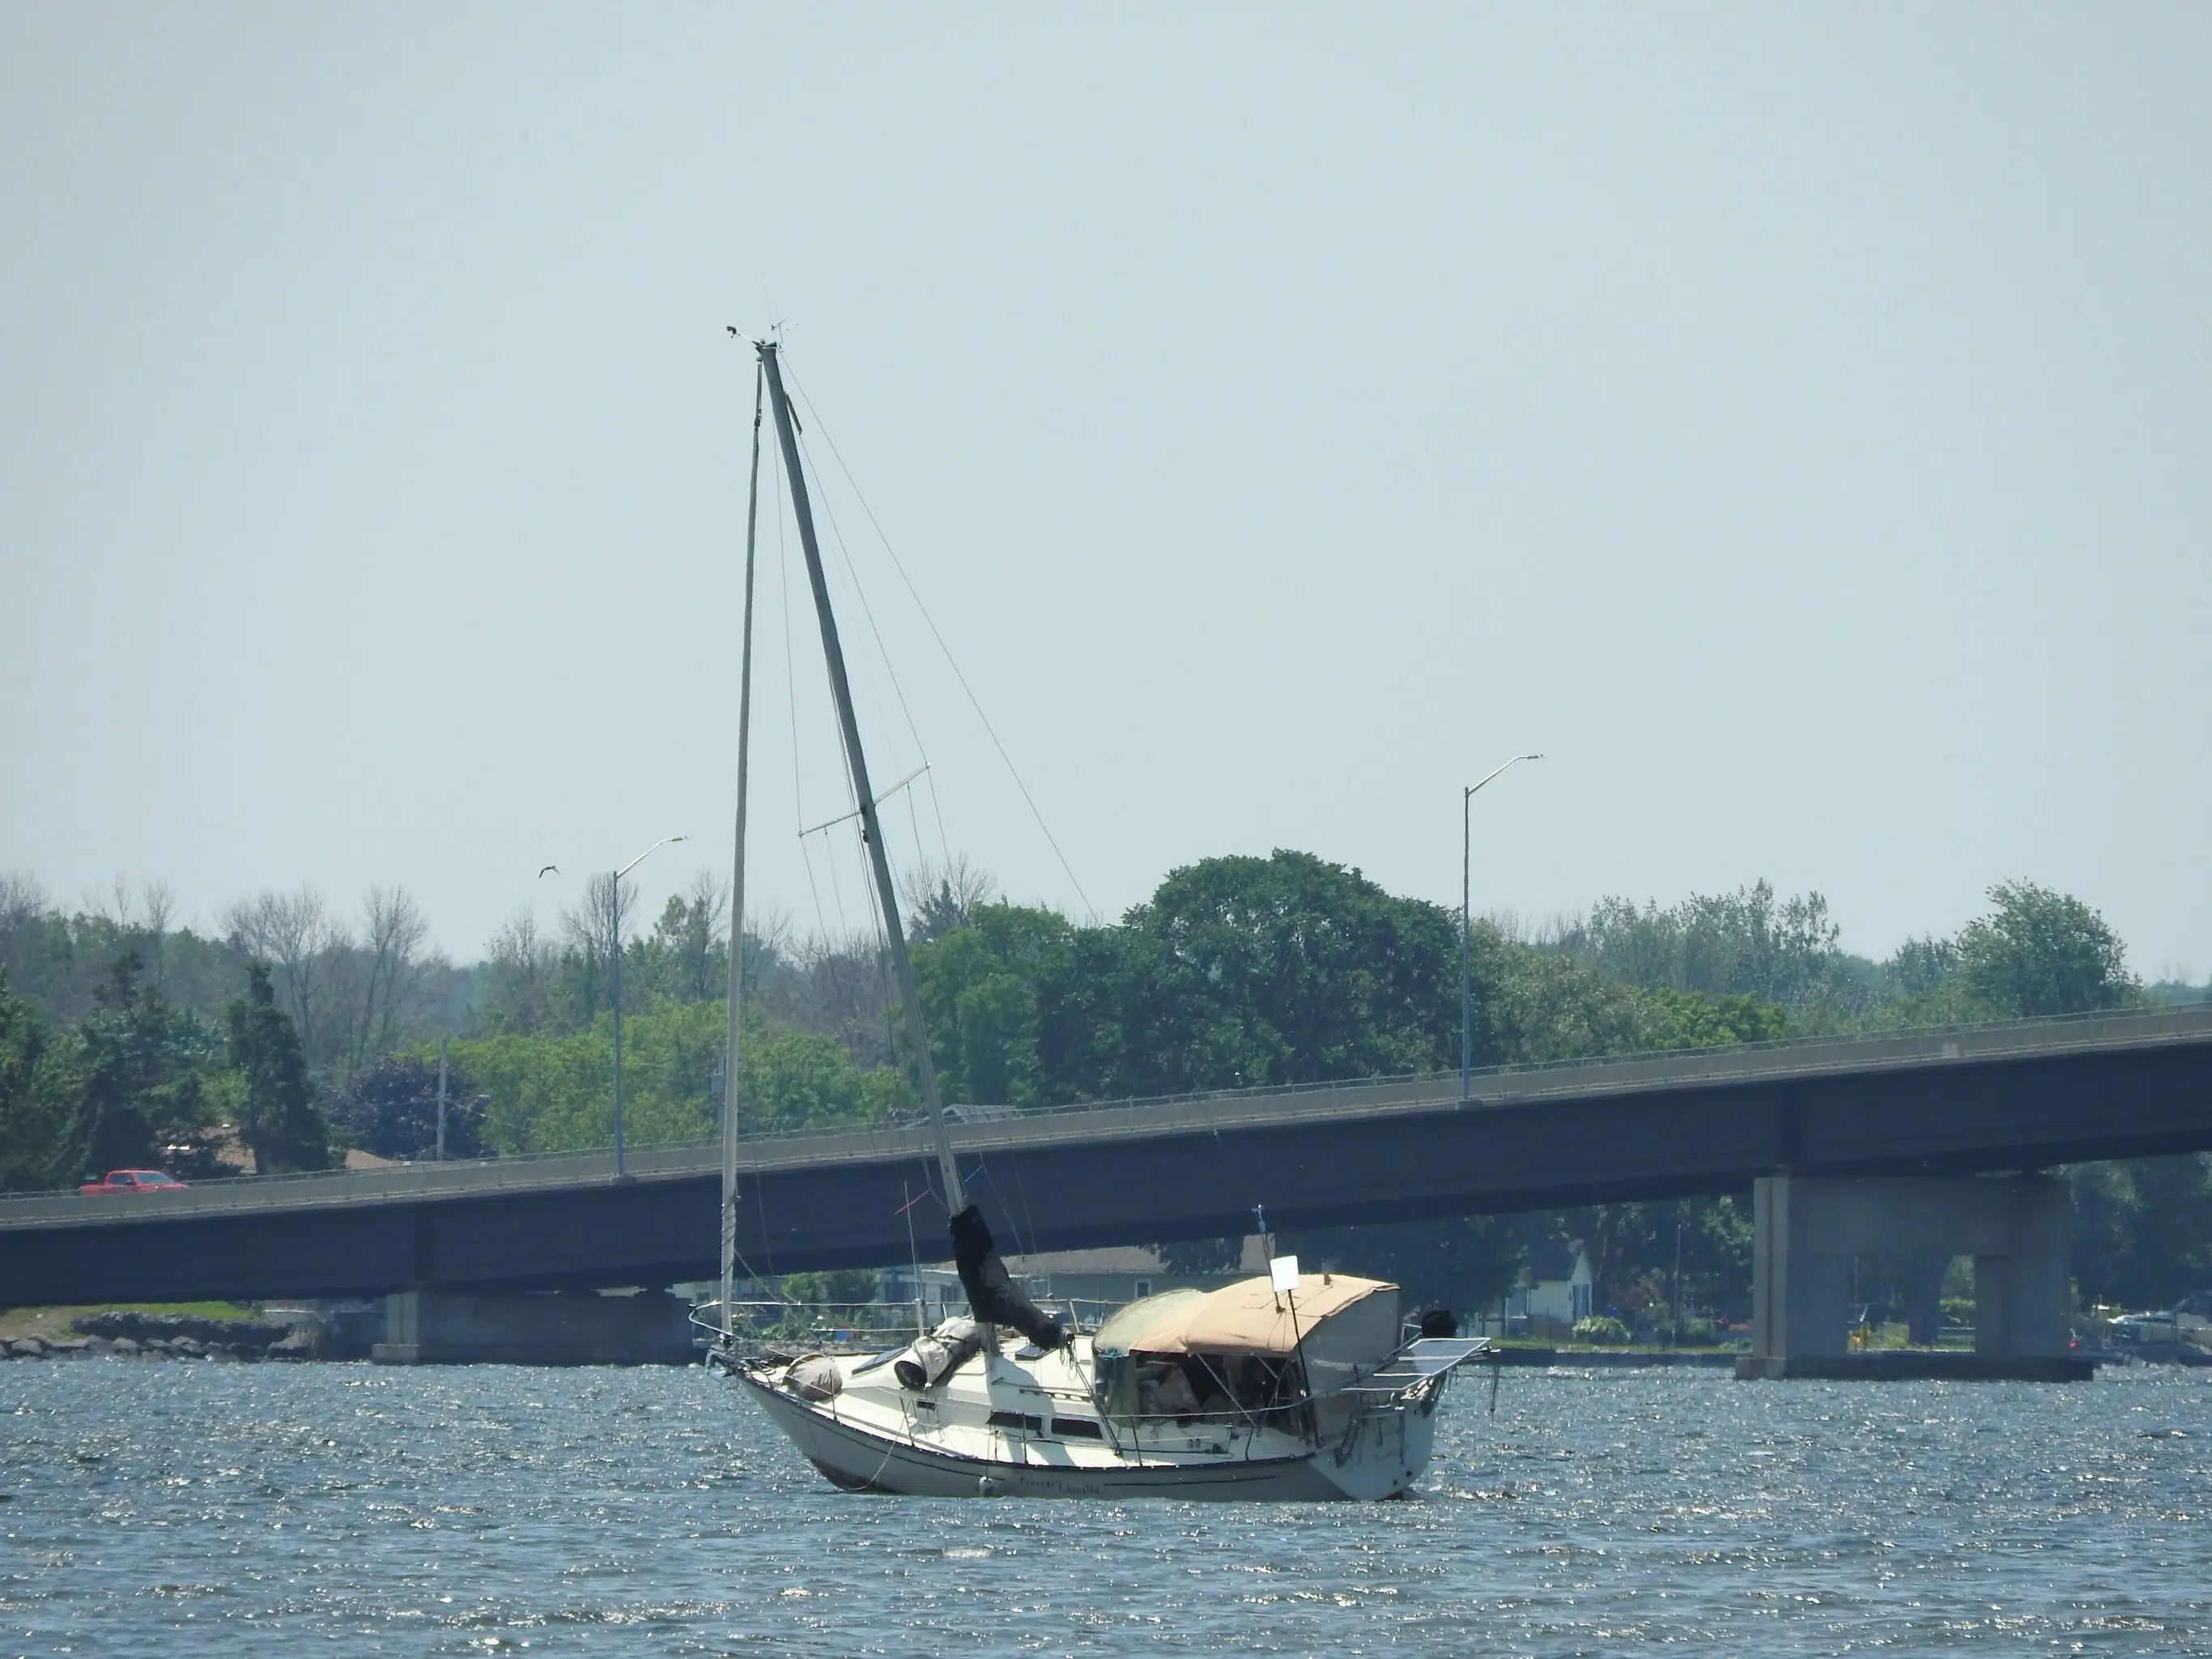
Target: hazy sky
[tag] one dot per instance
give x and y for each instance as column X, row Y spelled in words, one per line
column 1794, row 421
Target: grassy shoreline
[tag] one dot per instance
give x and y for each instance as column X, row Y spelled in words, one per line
column 51, row 1323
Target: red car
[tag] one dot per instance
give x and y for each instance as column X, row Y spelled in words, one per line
column 134, row 1180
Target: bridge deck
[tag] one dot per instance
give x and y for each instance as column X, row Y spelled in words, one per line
column 1169, row 1115
column 2019, row 1096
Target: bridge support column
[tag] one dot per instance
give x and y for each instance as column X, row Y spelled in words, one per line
column 433, row 1328
column 1807, row 1229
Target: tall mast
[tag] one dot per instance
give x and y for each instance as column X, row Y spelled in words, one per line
column 738, row 897
column 872, row 831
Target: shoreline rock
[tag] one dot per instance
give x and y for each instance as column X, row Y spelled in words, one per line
column 122, row 1333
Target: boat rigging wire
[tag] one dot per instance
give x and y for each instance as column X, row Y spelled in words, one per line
column 951, row 660
column 846, row 931
column 853, row 575
column 882, row 945
column 913, row 822
column 851, row 789
column 733, row 1040
column 1022, row 1187
column 882, row 651
column 791, row 694
column 760, row 1209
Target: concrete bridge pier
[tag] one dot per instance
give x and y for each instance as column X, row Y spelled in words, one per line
column 1807, row 1228
column 436, row 1328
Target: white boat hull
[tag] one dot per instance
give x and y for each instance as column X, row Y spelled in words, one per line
column 1380, row 1458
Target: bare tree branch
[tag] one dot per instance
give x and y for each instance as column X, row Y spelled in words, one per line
column 22, row 901
column 520, row 964
column 295, row 932
column 158, row 905
column 112, row 903
column 944, row 897
column 390, row 970
column 589, row 930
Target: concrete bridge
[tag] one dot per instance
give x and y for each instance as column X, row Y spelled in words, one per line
column 1958, row 1102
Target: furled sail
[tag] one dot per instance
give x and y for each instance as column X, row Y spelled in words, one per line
column 992, row 1296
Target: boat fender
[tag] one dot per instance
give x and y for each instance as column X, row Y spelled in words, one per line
column 937, row 1356
column 814, row 1376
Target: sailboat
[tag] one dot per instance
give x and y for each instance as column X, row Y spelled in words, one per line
column 1288, row 1385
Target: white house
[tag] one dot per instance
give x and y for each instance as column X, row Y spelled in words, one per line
column 1560, row 1287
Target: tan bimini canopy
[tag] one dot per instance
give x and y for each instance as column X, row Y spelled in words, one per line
column 1246, row 1317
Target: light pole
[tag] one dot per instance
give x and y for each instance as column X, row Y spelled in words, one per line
column 1467, row 931
column 614, row 905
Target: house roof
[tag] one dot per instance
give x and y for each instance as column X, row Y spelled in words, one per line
column 1553, row 1258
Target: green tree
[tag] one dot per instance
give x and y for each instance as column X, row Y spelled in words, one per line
column 2042, row 952
column 1535, row 1006
column 2169, row 1246
column 1923, row 967
column 1244, row 972
column 1686, row 1019
column 1462, row 1262
column 552, row 1092
column 2142, row 1229
column 519, row 978
column 979, row 984
column 1921, row 985
column 135, row 1078
column 1633, row 1251
column 1293, row 969
column 799, row 1079
column 29, row 1124
column 276, row 1115
column 555, row 1092
column 1195, row 1256
column 686, row 957
column 1747, row 943
column 389, row 1107
column 2101, row 1240
column 949, row 896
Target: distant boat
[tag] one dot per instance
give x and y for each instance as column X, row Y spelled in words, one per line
column 1287, row 1385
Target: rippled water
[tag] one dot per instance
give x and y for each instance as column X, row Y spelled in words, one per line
column 185, row 1509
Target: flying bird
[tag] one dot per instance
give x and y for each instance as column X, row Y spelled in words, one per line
column 551, row 869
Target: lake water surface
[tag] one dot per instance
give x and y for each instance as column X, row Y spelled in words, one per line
column 186, row 1508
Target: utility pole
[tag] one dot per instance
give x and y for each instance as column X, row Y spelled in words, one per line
column 1674, row 1293
column 614, row 907
column 441, row 1100
column 1467, row 931
column 614, row 979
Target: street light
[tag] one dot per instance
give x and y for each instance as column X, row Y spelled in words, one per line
column 614, row 903
column 1466, row 930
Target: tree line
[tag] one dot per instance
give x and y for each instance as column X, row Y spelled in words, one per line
column 290, row 1033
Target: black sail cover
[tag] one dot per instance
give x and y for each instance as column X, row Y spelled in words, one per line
column 992, row 1296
